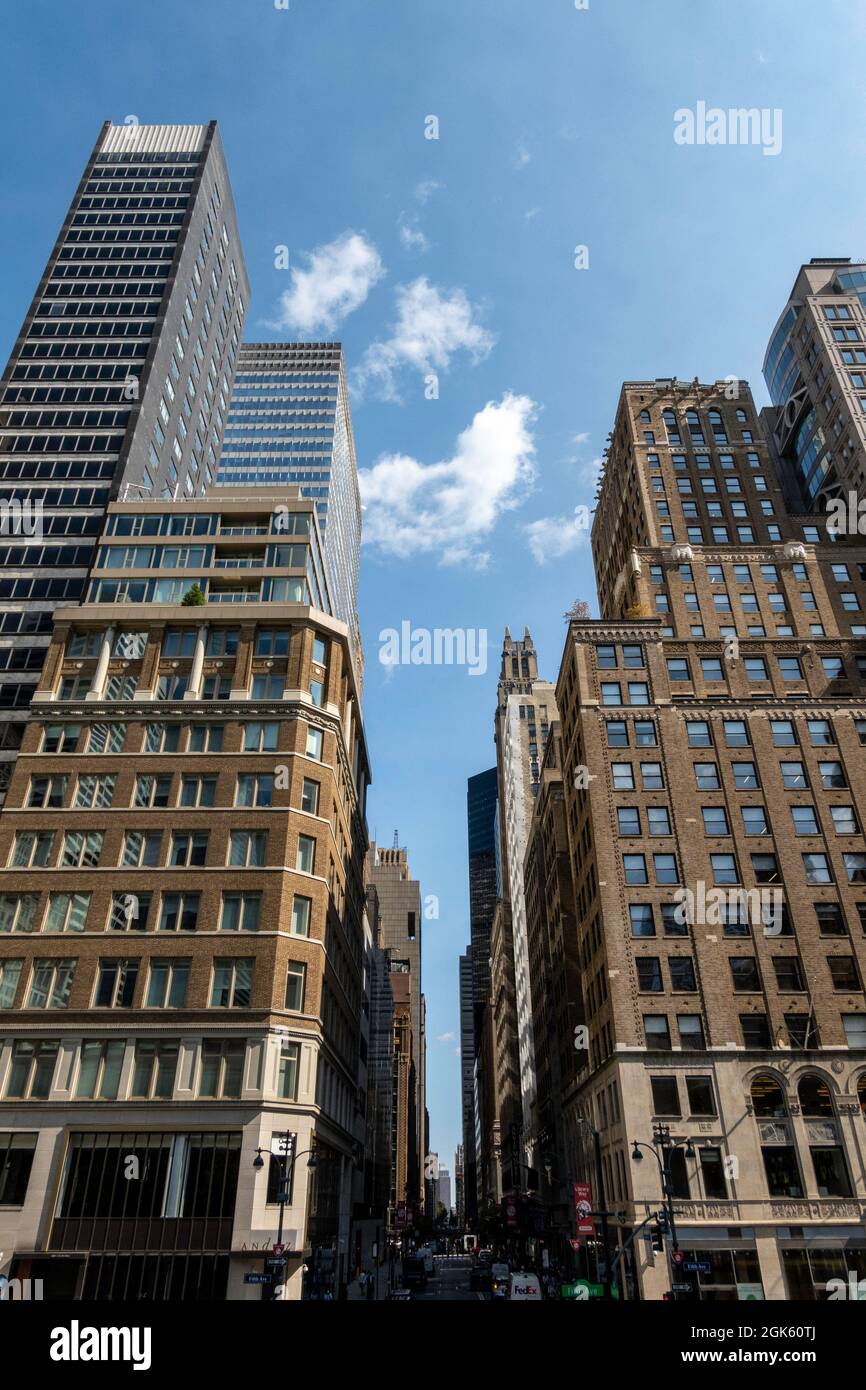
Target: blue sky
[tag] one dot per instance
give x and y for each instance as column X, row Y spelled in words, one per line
column 456, row 256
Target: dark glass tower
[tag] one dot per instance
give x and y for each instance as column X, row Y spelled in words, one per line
column 289, row 422
column 119, row 380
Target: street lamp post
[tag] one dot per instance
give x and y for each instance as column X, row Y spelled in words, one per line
column 662, row 1140
column 287, row 1158
column 602, row 1203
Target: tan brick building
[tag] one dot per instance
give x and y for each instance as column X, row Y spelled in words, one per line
column 181, row 915
column 713, row 732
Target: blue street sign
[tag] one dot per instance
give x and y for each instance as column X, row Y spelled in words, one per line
column 258, row 1279
column 697, row 1266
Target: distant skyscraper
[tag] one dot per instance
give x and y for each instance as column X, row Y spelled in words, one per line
column 119, row 380
column 289, row 422
column 467, row 1064
column 815, row 370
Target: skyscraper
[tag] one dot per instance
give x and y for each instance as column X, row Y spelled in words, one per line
column 467, row 1069
column 289, row 422
column 815, row 370
column 481, row 793
column 181, row 940
column 715, row 794
column 525, row 708
column 119, row 381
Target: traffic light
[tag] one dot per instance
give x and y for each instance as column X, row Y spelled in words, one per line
column 658, row 1235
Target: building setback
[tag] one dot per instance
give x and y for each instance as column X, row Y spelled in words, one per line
column 713, row 732
column 289, row 423
column 119, row 381
column 182, row 918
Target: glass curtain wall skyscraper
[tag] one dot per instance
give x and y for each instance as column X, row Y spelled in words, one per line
column 289, row 422
column 118, row 382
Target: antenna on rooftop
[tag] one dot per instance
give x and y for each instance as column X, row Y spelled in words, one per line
column 396, row 840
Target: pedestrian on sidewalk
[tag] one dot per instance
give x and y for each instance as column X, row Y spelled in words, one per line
column 371, row 1285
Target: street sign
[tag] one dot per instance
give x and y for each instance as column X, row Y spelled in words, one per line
column 697, row 1266
column 677, row 1257
column 283, row 1145
column 278, row 1248
column 682, row 1288
column 276, row 1262
column 582, row 1195
column 583, row 1289
column 258, row 1279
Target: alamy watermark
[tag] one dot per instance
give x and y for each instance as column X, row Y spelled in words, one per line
column 19, row 518
column 739, row 125
column 715, row 907
column 438, row 646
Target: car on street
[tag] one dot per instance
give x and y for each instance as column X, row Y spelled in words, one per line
column 499, row 1279
column 524, row 1287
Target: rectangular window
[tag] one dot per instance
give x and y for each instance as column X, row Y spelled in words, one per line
column 295, row 985
column 167, row 984
column 115, row 984
column 301, row 910
column 240, row 911
column 232, row 983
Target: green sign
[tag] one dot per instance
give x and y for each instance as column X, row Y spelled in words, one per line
column 583, row 1290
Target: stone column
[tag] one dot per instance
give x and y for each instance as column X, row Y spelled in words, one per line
column 97, row 685
column 194, row 685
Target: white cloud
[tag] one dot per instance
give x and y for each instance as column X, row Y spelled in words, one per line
column 338, row 279
column 450, row 508
column 522, row 156
column 531, row 214
column 425, row 189
column 446, row 1037
column 432, row 325
column 582, row 438
column 551, row 537
column 412, row 237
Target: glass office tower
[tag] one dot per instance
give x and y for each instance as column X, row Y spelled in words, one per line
column 118, row 382
column 289, row 422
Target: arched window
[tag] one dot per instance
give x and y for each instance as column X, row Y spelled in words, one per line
column 777, row 1147
column 815, row 1099
column 828, row 1155
column 768, row 1098
column 671, row 426
column 694, row 425
column 644, row 417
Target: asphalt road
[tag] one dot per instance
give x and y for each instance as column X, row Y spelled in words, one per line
column 451, row 1282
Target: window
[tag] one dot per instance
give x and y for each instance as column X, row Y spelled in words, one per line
column 756, row 1030
column 10, row 974
column 255, row 789
column 665, row 1096
column 152, row 792
column 115, row 984
column 268, row 687
column 222, row 1069
column 129, row 912
column 18, row 912
column 95, row 792
column 106, row 738
column 820, row 732
column 691, row 1031
column 645, row 733
column 649, row 974
column 634, row 866
column 16, row 1160
column 789, row 974
column 713, row 1173
column 248, row 848
column 623, row 777
column 141, row 848
column 855, row 867
column 698, row 733
column 678, row 669
column 632, row 655
column 260, row 738
column 155, row 1069
column 817, row 869
column 844, row 820
column 794, row 776
column 241, row 911
column 197, row 791
column 755, row 820
column 665, row 868
column 167, row 984
column 60, row 738
column 707, row 777
column 629, row 820
column 736, row 733
column 657, row 1032
column 724, row 867
column 99, row 1065
column 782, row 731
column 46, row 793
column 32, row 1069
column 232, row 983
column 855, row 1033
column 745, row 776
column 179, row 912
column 617, row 733
column 715, row 820
column 287, row 1074
column 306, row 854
column 81, row 849
column 67, row 912
column 651, row 777
column 611, row 693
column 188, row 849
column 301, row 909
column 711, row 668
column 31, row 850
column 206, row 738
column 295, row 985
column 682, row 973
column 765, row 868
column 641, row 916
column 699, row 1090
column 830, row 919
column 50, row 984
